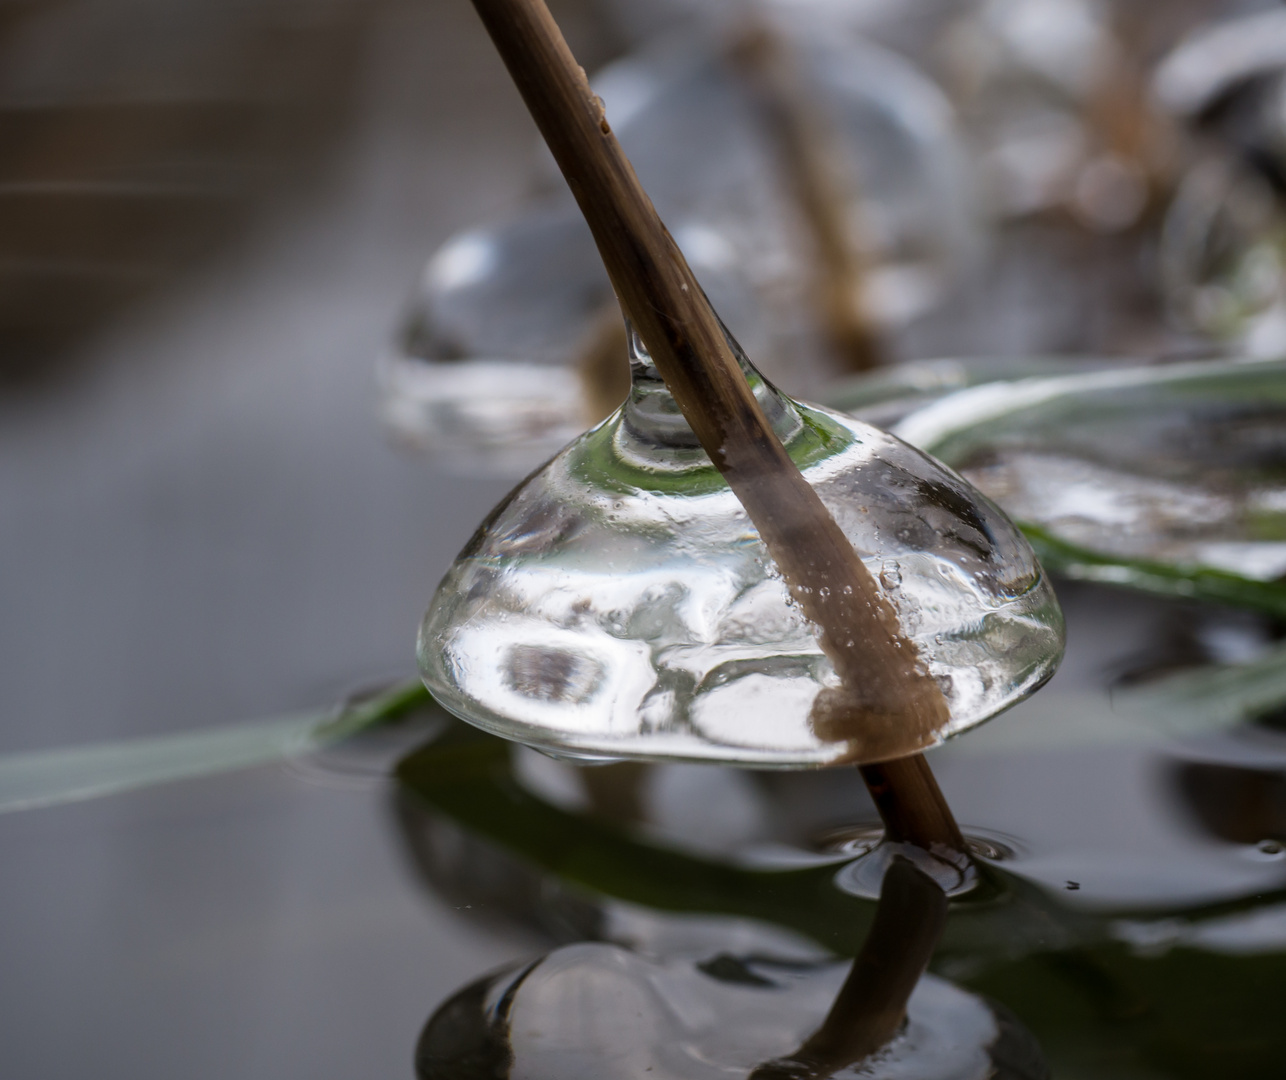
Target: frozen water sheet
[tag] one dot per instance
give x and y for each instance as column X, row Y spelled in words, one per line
column 1169, row 478
column 621, row 603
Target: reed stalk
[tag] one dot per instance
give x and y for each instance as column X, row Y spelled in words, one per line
column 887, row 706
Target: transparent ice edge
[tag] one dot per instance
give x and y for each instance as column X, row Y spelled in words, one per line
column 689, row 747
column 933, row 428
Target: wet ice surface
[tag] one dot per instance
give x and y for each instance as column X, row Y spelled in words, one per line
column 1183, row 466
column 601, row 1011
column 621, row 603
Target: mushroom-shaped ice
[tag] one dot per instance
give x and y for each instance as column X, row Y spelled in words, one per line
column 621, row 603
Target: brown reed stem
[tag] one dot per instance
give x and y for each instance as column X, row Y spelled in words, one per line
column 911, row 804
column 805, row 157
column 887, row 706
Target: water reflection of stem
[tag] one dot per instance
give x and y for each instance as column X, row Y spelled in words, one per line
column 871, row 1006
column 887, row 706
column 616, row 791
column 805, row 156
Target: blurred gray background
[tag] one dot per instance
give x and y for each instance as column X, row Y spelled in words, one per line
column 211, row 215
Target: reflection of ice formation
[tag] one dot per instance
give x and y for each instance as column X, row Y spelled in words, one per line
column 621, row 603
column 601, row 1012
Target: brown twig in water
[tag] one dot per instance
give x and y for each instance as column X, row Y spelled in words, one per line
column 887, row 706
column 911, row 804
column 804, row 155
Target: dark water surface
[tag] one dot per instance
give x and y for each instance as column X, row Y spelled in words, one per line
column 309, row 919
column 205, row 525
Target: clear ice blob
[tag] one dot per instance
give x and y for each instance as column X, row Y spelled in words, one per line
column 1170, row 479
column 600, row 1012
column 701, row 119
column 513, row 342
column 1222, row 257
column 620, row 602
column 1054, row 108
column 1220, row 59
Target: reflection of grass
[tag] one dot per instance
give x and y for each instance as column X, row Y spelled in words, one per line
column 1098, row 1007
column 1165, row 579
column 468, row 776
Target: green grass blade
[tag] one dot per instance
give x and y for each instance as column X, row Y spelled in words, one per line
column 50, row 777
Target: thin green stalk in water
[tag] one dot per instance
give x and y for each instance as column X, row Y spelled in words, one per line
column 42, row 778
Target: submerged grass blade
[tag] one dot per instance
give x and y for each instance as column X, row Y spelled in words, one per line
column 1198, row 702
column 1211, row 698
column 49, row 777
column 469, row 777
